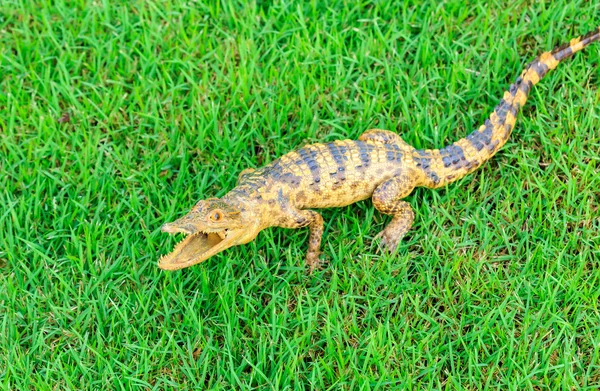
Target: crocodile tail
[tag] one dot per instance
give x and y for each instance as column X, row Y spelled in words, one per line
column 442, row 166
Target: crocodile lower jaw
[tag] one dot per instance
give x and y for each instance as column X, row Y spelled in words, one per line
column 195, row 248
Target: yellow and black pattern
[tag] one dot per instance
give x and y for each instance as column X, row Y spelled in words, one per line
column 442, row 166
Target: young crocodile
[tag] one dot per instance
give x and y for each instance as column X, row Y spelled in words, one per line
column 379, row 165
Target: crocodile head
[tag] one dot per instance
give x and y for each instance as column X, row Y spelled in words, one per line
column 212, row 226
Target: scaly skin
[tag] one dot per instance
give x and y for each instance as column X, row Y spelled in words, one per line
column 379, row 165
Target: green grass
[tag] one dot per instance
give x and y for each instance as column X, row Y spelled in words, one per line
column 117, row 116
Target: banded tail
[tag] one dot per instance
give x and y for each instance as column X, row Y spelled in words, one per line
column 446, row 165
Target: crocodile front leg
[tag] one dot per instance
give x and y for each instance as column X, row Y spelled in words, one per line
column 296, row 218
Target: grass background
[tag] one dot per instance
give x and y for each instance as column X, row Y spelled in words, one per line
column 117, row 116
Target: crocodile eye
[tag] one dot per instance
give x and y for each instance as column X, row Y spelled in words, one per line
column 216, row 216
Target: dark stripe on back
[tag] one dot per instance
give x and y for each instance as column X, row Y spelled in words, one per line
column 523, row 85
column 565, row 46
column 424, row 163
column 562, row 52
column 393, row 153
column 501, row 110
column 480, row 139
column 538, row 67
column 274, row 169
column 308, row 158
column 283, row 173
column 453, row 155
column 338, row 152
column 364, row 153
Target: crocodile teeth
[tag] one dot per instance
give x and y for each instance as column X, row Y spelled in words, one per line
column 192, row 249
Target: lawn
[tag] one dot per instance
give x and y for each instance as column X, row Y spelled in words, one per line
column 117, row 116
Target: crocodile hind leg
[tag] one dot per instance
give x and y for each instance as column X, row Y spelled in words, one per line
column 387, row 199
column 297, row 218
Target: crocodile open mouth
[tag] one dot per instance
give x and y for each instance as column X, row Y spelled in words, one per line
column 196, row 248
